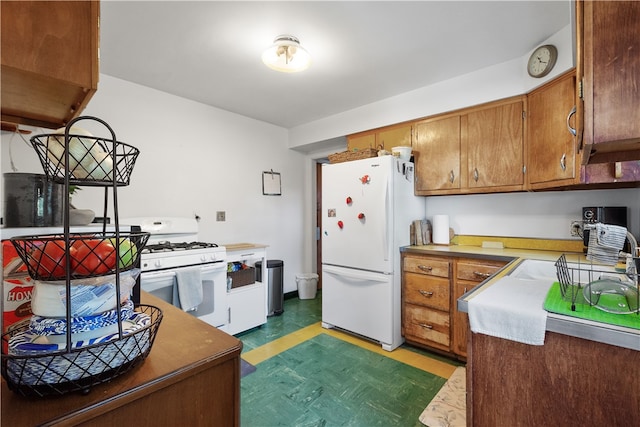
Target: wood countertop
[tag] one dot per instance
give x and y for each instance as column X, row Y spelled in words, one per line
column 243, row 246
column 182, row 376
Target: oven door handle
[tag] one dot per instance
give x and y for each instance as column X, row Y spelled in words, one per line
column 157, row 275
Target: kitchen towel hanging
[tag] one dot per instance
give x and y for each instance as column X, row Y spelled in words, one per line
column 189, row 286
column 441, row 229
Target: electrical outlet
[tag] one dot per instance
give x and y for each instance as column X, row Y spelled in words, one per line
column 220, row 216
column 576, row 228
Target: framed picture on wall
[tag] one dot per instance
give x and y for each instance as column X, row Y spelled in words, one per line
column 271, row 185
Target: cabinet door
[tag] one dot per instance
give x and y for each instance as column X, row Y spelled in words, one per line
column 468, row 274
column 551, row 148
column 611, row 65
column 246, row 308
column 460, row 319
column 396, row 136
column 437, row 156
column 49, row 60
column 359, row 141
column 494, row 147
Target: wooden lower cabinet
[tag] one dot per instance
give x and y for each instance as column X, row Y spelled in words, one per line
column 431, row 286
column 568, row 381
column 426, row 301
column 468, row 273
column 427, row 326
column 190, row 378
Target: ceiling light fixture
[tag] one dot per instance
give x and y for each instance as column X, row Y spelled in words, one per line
column 286, row 55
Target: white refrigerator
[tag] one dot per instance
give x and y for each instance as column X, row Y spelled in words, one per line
column 367, row 209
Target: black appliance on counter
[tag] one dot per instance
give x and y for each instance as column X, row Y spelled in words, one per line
column 613, row 215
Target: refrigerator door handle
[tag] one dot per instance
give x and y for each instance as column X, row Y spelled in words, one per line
column 355, row 275
column 387, row 210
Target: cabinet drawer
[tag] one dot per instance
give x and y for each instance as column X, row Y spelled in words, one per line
column 426, row 325
column 475, row 271
column 426, row 291
column 429, row 266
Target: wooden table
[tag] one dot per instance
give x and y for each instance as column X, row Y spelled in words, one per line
column 191, row 377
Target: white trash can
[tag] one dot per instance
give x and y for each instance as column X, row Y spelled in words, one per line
column 307, row 285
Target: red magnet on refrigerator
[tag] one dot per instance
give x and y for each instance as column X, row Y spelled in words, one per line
column 349, row 200
column 365, row 179
column 360, row 215
column 340, row 224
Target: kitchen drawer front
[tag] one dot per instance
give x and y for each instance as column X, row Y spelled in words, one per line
column 431, row 292
column 428, row 266
column 477, row 271
column 426, row 326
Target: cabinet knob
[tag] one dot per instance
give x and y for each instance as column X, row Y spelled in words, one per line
column 475, row 174
column 427, row 294
column 452, row 176
column 425, row 326
column 563, row 162
column 426, row 268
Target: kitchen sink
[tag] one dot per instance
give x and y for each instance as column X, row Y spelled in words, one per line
column 531, row 269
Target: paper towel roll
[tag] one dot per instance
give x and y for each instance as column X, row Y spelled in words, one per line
column 441, row 229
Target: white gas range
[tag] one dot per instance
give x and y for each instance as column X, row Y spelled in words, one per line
column 179, row 269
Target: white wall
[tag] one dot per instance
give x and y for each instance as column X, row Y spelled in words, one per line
column 196, row 159
column 546, row 215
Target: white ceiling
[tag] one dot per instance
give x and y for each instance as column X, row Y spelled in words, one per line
column 362, row 51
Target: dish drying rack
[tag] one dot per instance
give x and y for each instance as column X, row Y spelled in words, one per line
column 576, row 281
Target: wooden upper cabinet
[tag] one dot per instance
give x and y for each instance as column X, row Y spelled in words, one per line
column 49, row 57
column 362, row 140
column 551, row 147
column 437, row 155
column 394, row 136
column 493, row 140
column 384, row 138
column 608, row 63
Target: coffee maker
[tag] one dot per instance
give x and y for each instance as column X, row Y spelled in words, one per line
column 613, row 215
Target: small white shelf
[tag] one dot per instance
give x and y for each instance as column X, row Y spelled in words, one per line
column 247, row 304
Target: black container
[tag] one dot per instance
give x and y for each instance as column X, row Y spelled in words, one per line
column 32, row 201
column 613, row 215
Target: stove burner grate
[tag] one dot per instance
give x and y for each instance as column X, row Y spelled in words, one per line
column 171, row 247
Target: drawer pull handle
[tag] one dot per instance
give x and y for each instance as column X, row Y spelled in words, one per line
column 425, row 268
column 483, row 275
column 424, row 325
column 426, row 293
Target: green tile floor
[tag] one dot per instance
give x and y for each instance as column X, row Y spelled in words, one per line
column 325, row 381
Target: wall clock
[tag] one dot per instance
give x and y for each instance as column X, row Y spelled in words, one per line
column 542, row 60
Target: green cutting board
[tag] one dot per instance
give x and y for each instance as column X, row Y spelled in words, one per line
column 555, row 304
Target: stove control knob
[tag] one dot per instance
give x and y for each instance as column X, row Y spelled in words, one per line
column 203, row 258
column 158, row 263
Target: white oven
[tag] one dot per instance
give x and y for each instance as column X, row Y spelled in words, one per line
column 172, row 256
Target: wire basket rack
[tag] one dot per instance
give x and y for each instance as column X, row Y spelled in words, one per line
column 608, row 290
column 89, row 254
column 92, row 160
column 38, row 374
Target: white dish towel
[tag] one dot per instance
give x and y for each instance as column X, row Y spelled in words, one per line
column 512, row 309
column 189, row 285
